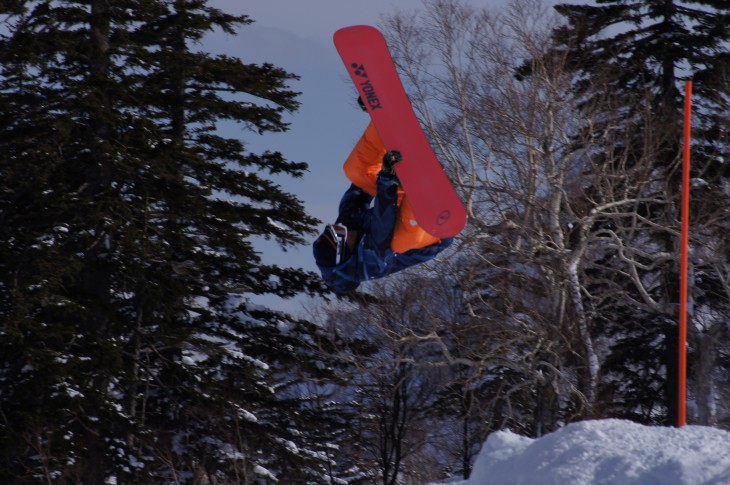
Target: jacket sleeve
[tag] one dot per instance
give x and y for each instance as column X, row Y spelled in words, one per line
column 363, row 164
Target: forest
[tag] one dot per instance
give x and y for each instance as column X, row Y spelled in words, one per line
column 131, row 351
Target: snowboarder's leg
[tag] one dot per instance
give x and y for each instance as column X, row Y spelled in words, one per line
column 353, row 206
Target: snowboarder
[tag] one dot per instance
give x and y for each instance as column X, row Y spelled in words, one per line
column 368, row 242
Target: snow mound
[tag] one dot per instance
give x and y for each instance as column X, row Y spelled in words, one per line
column 606, row 452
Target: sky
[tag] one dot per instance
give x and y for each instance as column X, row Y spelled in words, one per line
column 296, row 35
column 606, row 452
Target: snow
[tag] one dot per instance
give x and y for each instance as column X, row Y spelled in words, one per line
column 606, row 452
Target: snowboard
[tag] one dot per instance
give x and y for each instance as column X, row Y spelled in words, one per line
column 436, row 206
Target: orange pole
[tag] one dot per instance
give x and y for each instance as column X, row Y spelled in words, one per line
column 684, row 259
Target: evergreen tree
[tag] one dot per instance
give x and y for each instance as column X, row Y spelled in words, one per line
column 129, row 348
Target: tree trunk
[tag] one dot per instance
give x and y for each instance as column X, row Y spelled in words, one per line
column 96, row 284
column 706, row 353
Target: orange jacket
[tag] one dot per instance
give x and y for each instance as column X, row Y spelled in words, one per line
column 362, row 167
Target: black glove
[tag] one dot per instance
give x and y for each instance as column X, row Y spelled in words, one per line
column 390, row 160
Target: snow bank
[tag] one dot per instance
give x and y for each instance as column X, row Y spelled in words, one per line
column 606, row 452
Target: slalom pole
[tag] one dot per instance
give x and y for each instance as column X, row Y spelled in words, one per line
column 684, row 258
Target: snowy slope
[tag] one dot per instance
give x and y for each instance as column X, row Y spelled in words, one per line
column 606, row 452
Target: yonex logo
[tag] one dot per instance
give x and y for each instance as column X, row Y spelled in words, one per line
column 359, row 69
column 366, row 87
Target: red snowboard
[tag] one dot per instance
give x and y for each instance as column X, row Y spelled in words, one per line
column 435, row 204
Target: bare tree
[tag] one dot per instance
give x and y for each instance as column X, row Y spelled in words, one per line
column 559, row 198
column 509, row 142
column 565, row 253
column 392, row 379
